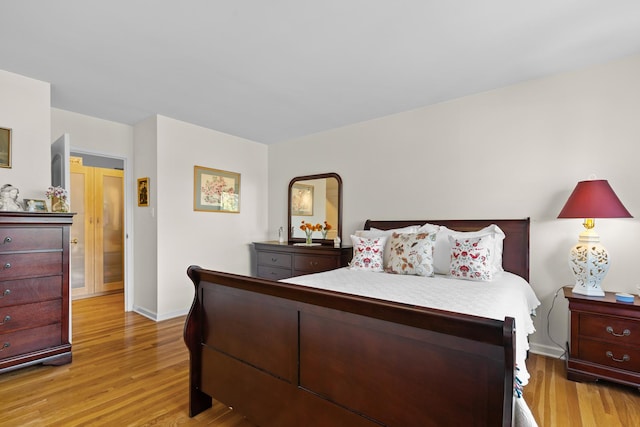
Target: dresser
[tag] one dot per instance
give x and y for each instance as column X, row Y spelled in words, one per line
column 34, row 289
column 277, row 261
column 604, row 339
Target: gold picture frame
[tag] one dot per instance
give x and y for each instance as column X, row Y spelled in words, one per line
column 215, row 190
column 143, row 191
column 5, row 148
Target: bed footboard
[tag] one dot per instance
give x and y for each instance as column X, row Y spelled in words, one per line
column 287, row 355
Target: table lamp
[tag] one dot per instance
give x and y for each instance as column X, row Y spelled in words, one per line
column 589, row 260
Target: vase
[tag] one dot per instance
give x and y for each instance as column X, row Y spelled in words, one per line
column 59, row 205
column 324, row 234
column 309, row 240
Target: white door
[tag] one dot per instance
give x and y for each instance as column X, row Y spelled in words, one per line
column 60, row 153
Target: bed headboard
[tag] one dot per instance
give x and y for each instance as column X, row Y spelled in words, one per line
column 515, row 253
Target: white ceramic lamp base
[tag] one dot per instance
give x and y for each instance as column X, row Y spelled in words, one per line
column 589, row 262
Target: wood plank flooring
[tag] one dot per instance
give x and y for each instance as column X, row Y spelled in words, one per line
column 130, row 371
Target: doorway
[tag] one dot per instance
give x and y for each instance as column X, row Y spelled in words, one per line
column 97, row 233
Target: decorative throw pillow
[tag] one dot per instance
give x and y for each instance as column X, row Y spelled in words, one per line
column 442, row 250
column 471, row 258
column 410, row 253
column 376, row 232
column 367, row 253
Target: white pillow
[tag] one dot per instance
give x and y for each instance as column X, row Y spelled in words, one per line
column 472, row 257
column 367, row 253
column 375, row 232
column 411, row 253
column 442, row 251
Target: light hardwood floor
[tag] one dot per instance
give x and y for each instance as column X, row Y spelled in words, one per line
column 130, row 371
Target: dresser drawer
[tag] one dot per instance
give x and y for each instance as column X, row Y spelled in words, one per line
column 274, row 259
column 28, row 340
column 604, row 353
column 25, row 291
column 30, row 264
column 26, row 239
column 613, row 329
column 314, row 264
column 27, row 316
column 273, row 273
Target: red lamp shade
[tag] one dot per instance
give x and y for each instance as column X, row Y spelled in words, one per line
column 594, row 199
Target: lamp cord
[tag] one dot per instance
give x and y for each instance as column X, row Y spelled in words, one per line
column 564, row 350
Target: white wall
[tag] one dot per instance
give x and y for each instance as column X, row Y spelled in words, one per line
column 145, row 235
column 25, row 108
column 219, row 241
column 510, row 153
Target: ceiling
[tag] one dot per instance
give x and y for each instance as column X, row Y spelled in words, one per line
column 275, row 70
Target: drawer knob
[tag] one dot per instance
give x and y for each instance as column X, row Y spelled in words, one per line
column 624, row 333
column 5, row 345
column 625, row 358
column 6, row 292
column 6, row 240
column 7, row 319
column 7, row 266
column 274, row 259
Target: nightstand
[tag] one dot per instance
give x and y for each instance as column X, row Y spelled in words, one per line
column 277, row 261
column 605, row 339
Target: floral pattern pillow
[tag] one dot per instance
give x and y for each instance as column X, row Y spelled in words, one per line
column 367, row 253
column 410, row 253
column 471, row 258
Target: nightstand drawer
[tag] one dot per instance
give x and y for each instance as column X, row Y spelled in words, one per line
column 613, row 329
column 24, row 291
column 273, row 273
column 274, row 259
column 26, row 239
column 27, row 316
column 603, row 353
column 313, row 264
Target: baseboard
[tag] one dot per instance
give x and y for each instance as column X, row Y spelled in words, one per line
column 156, row 317
column 547, row 350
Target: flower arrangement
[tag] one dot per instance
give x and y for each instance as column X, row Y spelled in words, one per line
column 56, row 192
column 308, row 229
column 325, row 229
column 58, row 197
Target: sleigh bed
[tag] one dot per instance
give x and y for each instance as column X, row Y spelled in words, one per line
column 292, row 354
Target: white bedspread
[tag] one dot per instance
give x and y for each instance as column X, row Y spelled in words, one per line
column 507, row 295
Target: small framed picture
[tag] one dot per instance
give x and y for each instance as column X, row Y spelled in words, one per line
column 143, row 191
column 34, row 205
column 5, row 148
column 215, row 190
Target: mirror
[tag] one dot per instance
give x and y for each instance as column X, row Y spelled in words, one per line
column 315, row 199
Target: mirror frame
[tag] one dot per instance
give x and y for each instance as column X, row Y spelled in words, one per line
column 334, row 175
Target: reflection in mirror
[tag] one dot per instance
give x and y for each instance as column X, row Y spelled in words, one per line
column 315, row 199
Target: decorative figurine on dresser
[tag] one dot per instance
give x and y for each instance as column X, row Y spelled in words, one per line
column 314, row 225
column 34, row 289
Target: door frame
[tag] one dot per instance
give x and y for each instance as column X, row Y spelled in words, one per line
column 129, row 199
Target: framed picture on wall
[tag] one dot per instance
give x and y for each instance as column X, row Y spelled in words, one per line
column 302, row 200
column 215, row 190
column 143, row 191
column 5, row 148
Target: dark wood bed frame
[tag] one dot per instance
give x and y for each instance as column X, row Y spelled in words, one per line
column 287, row 355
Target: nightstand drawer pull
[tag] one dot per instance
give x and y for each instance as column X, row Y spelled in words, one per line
column 625, row 358
column 7, row 266
column 7, row 240
column 624, row 333
column 7, row 319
